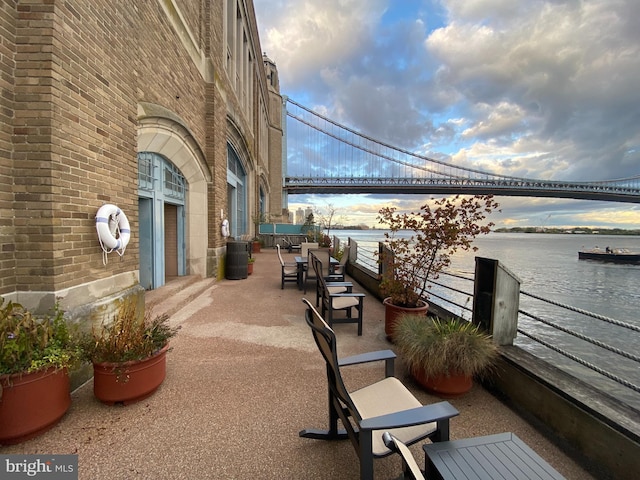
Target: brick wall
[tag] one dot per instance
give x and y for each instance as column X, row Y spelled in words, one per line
column 74, row 142
column 7, row 73
column 83, row 66
column 68, row 139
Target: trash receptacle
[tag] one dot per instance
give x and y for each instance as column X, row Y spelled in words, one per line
column 237, row 260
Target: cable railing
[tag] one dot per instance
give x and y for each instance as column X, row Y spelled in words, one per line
column 367, row 258
column 536, row 328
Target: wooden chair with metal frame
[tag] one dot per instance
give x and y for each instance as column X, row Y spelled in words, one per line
column 367, row 413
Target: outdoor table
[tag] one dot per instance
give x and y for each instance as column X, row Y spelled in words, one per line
column 502, row 456
column 302, row 262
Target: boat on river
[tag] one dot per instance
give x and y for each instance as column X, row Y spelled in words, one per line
column 615, row 255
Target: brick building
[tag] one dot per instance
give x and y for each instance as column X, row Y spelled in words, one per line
column 165, row 108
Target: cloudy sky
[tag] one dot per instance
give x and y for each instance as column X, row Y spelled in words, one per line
column 531, row 88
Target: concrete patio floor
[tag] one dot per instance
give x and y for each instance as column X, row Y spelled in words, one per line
column 243, row 378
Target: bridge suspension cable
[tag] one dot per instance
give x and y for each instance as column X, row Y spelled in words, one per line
column 371, row 150
column 327, row 157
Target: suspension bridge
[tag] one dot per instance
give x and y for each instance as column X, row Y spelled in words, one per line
column 324, row 156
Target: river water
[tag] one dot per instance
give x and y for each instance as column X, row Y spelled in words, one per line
column 547, row 265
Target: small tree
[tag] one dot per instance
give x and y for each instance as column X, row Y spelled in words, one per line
column 438, row 233
column 327, row 218
column 309, row 228
column 257, row 219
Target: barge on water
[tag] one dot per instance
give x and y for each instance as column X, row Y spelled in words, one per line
column 614, row 255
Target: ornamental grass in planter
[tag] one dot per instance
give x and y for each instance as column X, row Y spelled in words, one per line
column 129, row 354
column 35, row 357
column 444, row 355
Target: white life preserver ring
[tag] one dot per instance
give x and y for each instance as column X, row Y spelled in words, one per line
column 225, row 228
column 113, row 228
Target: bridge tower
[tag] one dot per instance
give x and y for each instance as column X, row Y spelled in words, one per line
column 275, row 151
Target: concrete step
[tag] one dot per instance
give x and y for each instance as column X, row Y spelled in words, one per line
column 176, row 294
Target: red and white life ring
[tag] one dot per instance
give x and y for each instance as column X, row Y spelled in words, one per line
column 113, row 228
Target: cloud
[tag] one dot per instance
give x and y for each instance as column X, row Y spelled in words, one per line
column 338, row 57
column 567, row 69
column 496, row 121
column 307, row 37
column 539, row 89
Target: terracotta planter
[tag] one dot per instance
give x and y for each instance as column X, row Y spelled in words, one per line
column 250, row 268
column 392, row 313
column 255, row 247
column 31, row 403
column 445, row 386
column 129, row 382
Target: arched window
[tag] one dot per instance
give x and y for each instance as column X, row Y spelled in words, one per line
column 263, row 204
column 236, row 193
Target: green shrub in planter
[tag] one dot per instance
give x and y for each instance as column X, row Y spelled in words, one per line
column 29, row 343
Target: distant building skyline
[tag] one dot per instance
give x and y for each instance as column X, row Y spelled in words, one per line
column 302, row 215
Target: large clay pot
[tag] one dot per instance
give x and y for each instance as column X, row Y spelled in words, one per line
column 31, row 403
column 445, row 386
column 393, row 312
column 255, row 247
column 129, row 382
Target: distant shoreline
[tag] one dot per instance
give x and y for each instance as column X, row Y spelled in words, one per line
column 552, row 230
column 569, row 231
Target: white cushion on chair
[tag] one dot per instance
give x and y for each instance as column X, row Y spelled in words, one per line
column 389, row 396
column 344, row 302
column 339, row 289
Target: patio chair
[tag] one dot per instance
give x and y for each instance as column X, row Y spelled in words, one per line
column 308, row 273
column 410, row 468
column 290, row 246
column 320, row 262
column 367, row 413
column 289, row 271
column 335, row 302
column 306, row 246
column 340, row 269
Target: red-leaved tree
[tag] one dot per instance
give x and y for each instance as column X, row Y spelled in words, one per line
column 436, row 233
